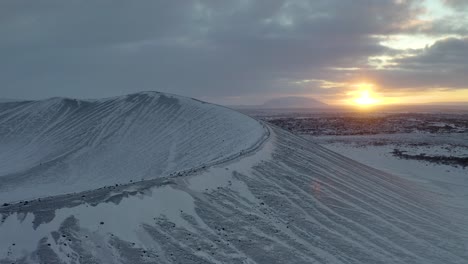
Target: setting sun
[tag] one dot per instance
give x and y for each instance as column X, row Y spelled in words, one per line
column 366, row 99
column 363, row 95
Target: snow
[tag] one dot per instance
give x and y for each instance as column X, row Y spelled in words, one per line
column 380, row 157
column 222, row 176
column 133, row 212
column 244, row 192
column 261, row 207
column 448, row 184
column 60, row 145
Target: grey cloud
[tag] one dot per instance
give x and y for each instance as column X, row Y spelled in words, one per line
column 208, row 48
column 457, row 3
column 442, row 65
column 450, row 53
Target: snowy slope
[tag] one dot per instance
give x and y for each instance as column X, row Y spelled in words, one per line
column 449, row 182
column 60, row 145
column 287, row 201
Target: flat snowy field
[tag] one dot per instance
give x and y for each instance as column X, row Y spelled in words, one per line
column 448, row 182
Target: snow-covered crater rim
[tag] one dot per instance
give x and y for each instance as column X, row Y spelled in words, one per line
column 60, row 146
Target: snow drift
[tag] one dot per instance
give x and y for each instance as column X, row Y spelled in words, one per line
column 61, row 145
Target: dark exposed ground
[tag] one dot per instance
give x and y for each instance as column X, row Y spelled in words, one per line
column 438, row 159
column 341, row 124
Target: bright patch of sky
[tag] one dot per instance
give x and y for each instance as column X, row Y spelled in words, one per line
column 436, row 9
column 433, row 11
column 418, row 41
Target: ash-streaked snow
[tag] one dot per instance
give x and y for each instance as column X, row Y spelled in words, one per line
column 61, row 145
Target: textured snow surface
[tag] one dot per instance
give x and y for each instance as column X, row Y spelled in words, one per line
column 60, row 145
column 448, row 182
column 288, row 201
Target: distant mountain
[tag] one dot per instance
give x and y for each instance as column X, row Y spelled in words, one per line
column 294, row 102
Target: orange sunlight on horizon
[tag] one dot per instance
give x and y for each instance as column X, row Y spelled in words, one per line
column 366, row 99
column 364, row 96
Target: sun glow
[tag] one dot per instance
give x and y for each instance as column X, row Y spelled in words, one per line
column 364, row 95
column 366, row 99
column 367, row 96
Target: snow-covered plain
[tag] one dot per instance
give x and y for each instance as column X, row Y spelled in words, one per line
column 448, row 183
column 60, row 145
column 282, row 199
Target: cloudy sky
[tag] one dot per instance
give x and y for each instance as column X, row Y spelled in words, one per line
column 236, row 52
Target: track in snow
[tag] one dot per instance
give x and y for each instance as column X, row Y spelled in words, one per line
column 289, row 202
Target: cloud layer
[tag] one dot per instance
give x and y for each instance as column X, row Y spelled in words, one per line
column 234, row 52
